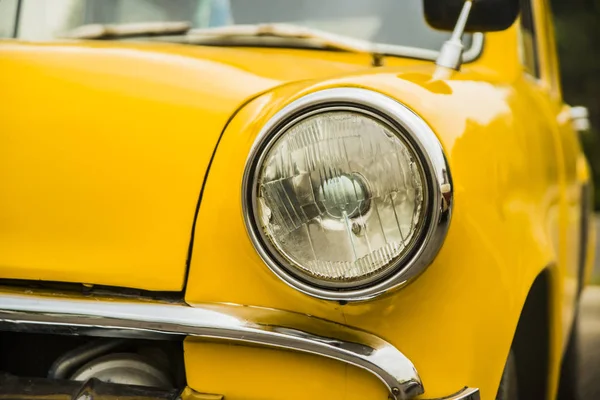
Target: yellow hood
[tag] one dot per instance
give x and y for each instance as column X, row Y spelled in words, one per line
column 104, row 147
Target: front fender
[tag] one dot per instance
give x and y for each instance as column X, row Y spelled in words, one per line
column 457, row 320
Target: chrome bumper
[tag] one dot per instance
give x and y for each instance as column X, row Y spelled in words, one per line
column 220, row 322
column 12, row 388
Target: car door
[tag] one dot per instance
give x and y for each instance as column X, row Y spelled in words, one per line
column 577, row 172
column 541, row 63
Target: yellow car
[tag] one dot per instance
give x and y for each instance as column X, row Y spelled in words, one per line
column 288, row 199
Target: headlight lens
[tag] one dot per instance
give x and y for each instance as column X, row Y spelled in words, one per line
column 341, row 197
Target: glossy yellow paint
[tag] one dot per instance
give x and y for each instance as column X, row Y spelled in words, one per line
column 516, row 163
column 242, row 372
column 105, row 145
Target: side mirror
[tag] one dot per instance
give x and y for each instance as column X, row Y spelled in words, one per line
column 485, row 15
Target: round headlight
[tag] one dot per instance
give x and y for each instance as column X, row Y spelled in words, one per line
column 341, row 192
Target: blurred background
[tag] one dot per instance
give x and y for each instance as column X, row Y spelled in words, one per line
column 577, row 24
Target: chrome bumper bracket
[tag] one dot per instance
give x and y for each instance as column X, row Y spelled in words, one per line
column 465, row 394
column 12, row 387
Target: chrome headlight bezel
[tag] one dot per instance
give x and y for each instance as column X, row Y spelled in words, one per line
column 414, row 132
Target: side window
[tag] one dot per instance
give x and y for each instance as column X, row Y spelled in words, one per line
column 8, row 16
column 528, row 40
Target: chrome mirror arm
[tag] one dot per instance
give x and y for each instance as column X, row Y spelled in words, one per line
column 452, row 51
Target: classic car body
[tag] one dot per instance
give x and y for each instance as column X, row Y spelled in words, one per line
column 121, row 215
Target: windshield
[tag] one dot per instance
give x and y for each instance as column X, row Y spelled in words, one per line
column 393, row 22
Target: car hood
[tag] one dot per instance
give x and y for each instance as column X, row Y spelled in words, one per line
column 105, row 146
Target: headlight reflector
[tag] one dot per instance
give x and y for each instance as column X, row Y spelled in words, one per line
column 340, row 197
column 343, row 194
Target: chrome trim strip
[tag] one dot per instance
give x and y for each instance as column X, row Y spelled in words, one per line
column 393, row 50
column 221, row 322
column 413, row 130
column 201, row 35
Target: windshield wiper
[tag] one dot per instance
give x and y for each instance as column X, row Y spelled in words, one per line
column 285, row 31
column 137, row 29
column 234, row 34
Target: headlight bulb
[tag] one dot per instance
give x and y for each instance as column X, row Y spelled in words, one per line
column 344, row 196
